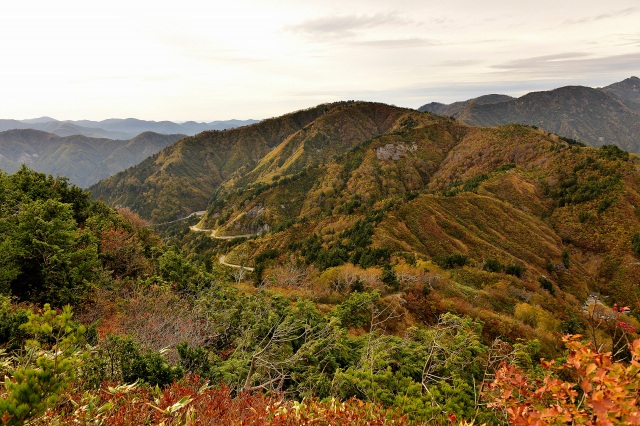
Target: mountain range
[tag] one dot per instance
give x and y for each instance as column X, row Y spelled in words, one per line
column 358, row 182
column 394, row 224
column 88, row 151
column 328, row 163
column 116, row 128
column 594, row 116
column 82, row 159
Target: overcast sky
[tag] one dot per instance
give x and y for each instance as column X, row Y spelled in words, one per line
column 214, row 60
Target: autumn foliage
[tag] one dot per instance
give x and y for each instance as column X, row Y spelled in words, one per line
column 588, row 388
column 192, row 401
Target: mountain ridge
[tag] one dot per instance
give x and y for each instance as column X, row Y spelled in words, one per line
column 117, row 128
column 84, row 160
column 608, row 115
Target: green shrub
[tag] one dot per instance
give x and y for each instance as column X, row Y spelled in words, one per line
column 492, row 265
column 132, row 364
column 389, row 277
column 635, row 243
column 612, row 152
column 547, row 285
column 566, row 261
column 51, row 358
column 515, row 269
column 451, row 261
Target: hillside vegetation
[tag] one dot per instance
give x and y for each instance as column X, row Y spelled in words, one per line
column 182, row 178
column 407, row 300
column 397, row 257
column 340, row 183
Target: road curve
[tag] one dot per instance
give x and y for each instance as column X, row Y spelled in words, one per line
column 222, row 260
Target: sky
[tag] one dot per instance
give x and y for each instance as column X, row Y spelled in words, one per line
column 217, row 60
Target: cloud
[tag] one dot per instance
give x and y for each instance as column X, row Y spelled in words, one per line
column 396, row 43
column 459, row 63
column 629, row 39
column 593, row 18
column 571, row 64
column 346, row 25
column 541, row 61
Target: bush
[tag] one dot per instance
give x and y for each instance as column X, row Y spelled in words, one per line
column 547, row 285
column 612, row 152
column 35, row 381
column 389, row 277
column 635, row 243
column 609, row 391
column 451, row 261
column 566, row 261
column 132, row 364
column 515, row 269
column 492, row 265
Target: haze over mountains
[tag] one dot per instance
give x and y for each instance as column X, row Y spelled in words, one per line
column 117, row 128
column 84, row 160
column 607, row 115
column 87, row 151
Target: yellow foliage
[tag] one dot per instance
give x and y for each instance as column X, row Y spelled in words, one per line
column 536, row 317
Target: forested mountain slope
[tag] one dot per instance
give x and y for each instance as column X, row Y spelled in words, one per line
column 182, row 178
column 437, row 188
column 360, row 182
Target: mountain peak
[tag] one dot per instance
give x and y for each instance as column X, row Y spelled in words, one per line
column 626, row 91
column 43, row 119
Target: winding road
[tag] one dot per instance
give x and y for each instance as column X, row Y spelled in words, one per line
column 214, row 233
column 222, row 259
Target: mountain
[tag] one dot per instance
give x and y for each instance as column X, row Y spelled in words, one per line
column 135, row 126
column 117, row 128
column 627, row 91
column 609, row 115
column 356, row 182
column 43, row 119
column 181, row 178
column 61, row 128
column 82, row 159
column 386, row 220
column 454, row 109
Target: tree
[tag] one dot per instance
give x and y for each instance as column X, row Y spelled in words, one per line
column 47, row 367
column 55, row 258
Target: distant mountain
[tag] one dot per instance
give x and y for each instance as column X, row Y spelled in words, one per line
column 135, row 126
column 117, row 128
column 454, row 109
column 61, row 128
column 608, row 115
column 39, row 120
column 82, row 159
